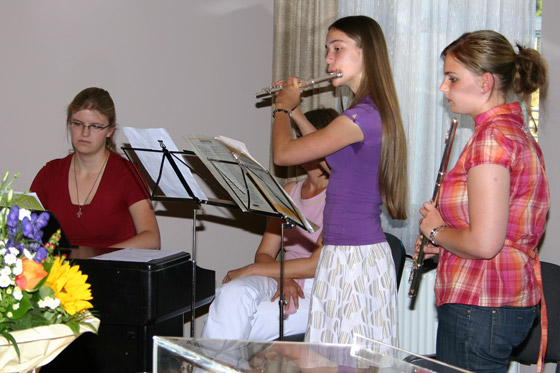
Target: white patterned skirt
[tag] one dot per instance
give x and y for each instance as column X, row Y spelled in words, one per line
column 355, row 292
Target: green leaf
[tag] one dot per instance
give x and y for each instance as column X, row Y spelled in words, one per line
column 31, row 319
column 74, row 326
column 46, row 291
column 47, row 266
column 50, row 317
column 5, row 326
column 24, row 307
column 12, row 341
column 91, row 326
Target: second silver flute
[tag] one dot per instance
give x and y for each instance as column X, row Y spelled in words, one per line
column 418, row 263
column 272, row 89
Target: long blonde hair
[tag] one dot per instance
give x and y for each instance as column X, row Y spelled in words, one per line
column 378, row 83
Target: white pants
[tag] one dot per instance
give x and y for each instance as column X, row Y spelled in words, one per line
column 242, row 310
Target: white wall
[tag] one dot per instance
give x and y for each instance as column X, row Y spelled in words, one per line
column 187, row 66
column 549, row 136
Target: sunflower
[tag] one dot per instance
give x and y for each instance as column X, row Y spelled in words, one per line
column 70, row 286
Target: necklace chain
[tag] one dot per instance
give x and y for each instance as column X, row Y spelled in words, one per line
column 80, row 213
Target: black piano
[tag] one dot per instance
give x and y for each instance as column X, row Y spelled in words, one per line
column 134, row 301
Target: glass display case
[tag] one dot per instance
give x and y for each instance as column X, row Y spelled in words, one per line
column 173, row 354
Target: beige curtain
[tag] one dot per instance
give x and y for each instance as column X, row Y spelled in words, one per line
column 416, row 33
column 300, row 28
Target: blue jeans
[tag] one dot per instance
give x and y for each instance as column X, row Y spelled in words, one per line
column 481, row 339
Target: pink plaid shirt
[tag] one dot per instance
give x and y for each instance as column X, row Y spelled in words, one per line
column 500, row 137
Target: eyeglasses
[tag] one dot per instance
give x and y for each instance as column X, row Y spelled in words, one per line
column 94, row 128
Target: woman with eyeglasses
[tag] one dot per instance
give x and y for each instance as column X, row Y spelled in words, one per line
column 94, row 192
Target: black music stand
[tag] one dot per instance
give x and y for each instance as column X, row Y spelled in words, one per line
column 244, row 178
column 250, row 187
column 170, row 157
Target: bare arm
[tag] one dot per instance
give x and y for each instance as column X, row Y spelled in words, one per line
column 305, row 128
column 147, row 230
column 266, row 254
column 488, row 191
column 287, row 151
column 271, row 241
column 296, row 268
column 265, row 257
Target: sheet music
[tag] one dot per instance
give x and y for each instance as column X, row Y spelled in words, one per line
column 170, row 185
column 26, row 200
column 225, row 167
column 279, row 198
column 245, row 179
column 239, row 148
column 136, row 255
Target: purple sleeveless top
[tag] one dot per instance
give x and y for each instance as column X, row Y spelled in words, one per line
column 352, row 211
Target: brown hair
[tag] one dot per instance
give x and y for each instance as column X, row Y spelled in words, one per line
column 378, row 83
column 488, row 51
column 98, row 99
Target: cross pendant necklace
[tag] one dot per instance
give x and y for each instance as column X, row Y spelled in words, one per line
column 80, row 213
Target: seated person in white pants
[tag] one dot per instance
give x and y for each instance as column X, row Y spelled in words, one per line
column 247, row 308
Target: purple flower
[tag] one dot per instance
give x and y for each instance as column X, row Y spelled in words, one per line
column 38, row 235
column 32, row 228
column 13, row 217
column 27, row 228
column 40, row 254
column 42, row 220
column 28, row 233
column 20, row 246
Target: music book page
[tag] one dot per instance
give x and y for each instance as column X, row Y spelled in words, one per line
column 29, row 201
column 149, row 138
column 224, row 165
column 239, row 148
column 247, row 182
column 136, row 255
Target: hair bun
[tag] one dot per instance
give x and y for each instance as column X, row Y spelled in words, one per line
column 531, row 71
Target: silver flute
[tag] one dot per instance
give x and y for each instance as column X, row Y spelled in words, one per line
column 268, row 91
column 418, row 263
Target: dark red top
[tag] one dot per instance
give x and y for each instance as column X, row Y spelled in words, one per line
column 106, row 220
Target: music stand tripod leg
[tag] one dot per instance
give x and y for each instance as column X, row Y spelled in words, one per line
column 193, row 286
column 281, row 300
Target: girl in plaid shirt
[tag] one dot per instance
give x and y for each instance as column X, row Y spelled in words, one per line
column 492, row 207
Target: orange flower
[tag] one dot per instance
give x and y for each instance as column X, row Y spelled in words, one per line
column 31, row 275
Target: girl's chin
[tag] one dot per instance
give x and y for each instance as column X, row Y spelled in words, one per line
column 338, row 82
column 454, row 109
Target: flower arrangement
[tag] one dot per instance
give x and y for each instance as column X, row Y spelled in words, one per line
column 37, row 288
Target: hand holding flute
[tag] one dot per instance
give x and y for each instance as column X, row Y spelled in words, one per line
column 433, row 220
column 288, row 98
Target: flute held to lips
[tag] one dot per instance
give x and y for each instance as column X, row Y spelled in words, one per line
column 268, row 91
